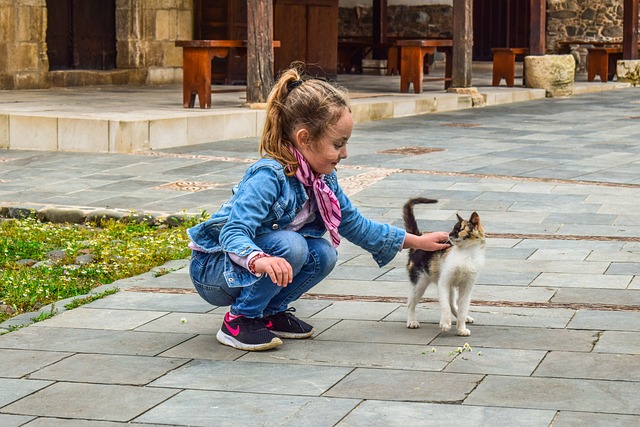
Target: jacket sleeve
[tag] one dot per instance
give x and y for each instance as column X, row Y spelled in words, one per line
column 252, row 205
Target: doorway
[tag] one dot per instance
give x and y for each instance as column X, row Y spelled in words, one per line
column 81, row 34
column 499, row 23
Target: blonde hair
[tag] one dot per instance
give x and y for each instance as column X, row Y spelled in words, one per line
column 294, row 102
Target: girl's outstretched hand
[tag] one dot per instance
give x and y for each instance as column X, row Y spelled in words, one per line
column 435, row 241
column 278, row 269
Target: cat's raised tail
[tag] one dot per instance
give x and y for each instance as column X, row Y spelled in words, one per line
column 410, row 223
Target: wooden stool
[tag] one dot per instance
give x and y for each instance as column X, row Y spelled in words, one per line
column 412, row 54
column 393, row 61
column 504, row 64
column 196, row 66
column 601, row 61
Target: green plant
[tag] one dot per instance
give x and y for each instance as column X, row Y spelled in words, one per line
column 115, row 250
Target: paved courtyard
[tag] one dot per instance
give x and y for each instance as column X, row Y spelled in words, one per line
column 556, row 340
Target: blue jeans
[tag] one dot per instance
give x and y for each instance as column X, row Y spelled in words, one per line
column 311, row 259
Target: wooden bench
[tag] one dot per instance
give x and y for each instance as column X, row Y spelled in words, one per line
column 196, row 66
column 601, row 61
column 412, row 54
column 504, row 64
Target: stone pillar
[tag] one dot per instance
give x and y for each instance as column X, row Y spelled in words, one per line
column 553, row 73
column 23, row 54
column 628, row 70
column 146, row 35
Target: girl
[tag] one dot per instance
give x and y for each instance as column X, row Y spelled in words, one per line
column 264, row 248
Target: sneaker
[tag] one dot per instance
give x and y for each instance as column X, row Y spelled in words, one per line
column 286, row 325
column 245, row 333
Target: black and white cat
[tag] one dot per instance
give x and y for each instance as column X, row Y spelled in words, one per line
column 454, row 269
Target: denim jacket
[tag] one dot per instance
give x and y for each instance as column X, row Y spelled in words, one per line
column 267, row 200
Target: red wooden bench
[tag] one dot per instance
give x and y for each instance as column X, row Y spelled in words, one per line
column 504, row 64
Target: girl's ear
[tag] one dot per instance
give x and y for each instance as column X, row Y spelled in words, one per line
column 302, row 137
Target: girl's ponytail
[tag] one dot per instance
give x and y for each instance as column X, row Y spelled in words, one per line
column 274, row 135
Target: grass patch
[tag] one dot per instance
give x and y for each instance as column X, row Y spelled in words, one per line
column 39, row 262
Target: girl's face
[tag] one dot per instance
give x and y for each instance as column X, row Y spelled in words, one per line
column 325, row 153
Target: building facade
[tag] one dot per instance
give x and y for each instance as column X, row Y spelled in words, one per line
column 46, row 43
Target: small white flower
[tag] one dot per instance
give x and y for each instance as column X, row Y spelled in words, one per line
column 183, row 320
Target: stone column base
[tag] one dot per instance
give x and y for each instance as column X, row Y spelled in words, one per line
column 477, row 99
column 553, row 73
column 628, row 70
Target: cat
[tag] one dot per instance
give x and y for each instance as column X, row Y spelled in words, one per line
column 454, row 269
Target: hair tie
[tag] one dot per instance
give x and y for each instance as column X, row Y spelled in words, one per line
column 294, row 84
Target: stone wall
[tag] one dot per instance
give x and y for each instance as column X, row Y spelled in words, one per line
column 584, row 19
column 404, row 21
column 146, row 31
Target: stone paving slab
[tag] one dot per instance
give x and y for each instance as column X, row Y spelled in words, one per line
column 18, row 363
column 91, row 401
column 14, row 420
column 247, row 377
column 495, row 316
column 582, row 281
column 201, row 408
column 518, row 337
column 620, row 297
column 380, row 332
column 576, row 419
column 558, row 394
column 108, row 369
column 619, row 342
column 606, row 320
column 618, row 367
column 494, row 361
column 357, row 310
column 91, row 341
column 190, row 303
column 356, row 354
column 185, row 323
column 60, row 422
column 390, row 385
column 203, row 347
column 400, row 414
column 92, row 318
column 12, row 389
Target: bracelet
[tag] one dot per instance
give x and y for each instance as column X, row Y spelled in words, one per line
column 251, row 266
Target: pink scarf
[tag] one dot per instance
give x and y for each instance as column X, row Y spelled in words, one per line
column 327, row 202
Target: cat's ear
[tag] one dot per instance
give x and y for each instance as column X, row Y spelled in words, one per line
column 459, row 218
column 475, row 219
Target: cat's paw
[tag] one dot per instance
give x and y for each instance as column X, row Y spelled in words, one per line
column 413, row 324
column 464, row 332
column 469, row 319
column 445, row 325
